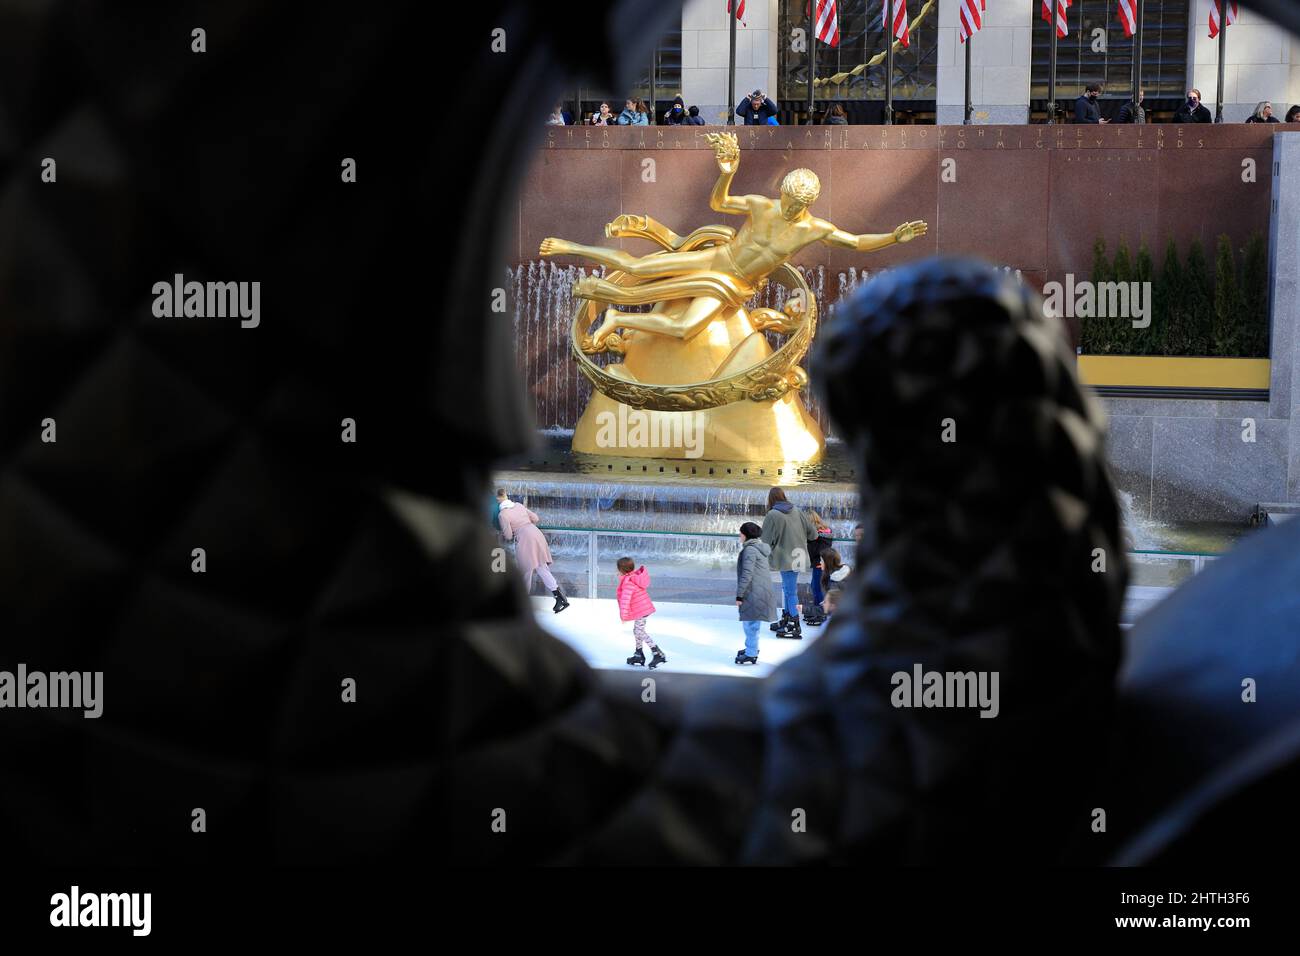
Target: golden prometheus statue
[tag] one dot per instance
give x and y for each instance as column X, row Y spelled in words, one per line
column 698, row 378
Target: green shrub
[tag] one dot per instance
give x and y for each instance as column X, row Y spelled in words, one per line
column 1120, row 329
column 1143, row 341
column 1254, row 298
column 1198, row 311
column 1229, row 324
column 1092, row 331
column 1169, row 296
column 1192, row 312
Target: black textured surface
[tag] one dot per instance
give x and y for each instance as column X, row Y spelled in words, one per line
column 222, row 690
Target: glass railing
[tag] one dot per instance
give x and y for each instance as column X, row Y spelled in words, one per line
column 700, row 568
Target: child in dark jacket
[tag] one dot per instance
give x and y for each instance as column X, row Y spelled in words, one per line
column 755, row 598
column 833, row 574
column 814, row 614
column 634, row 605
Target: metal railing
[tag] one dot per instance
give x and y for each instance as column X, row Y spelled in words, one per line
column 678, row 573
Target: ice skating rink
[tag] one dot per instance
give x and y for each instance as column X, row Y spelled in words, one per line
column 696, row 638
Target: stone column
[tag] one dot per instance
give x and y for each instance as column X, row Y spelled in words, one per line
column 1284, row 254
column 705, row 41
column 1000, row 62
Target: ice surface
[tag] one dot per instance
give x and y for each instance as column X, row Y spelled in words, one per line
column 697, row 638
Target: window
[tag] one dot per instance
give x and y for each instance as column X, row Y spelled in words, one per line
column 861, row 37
column 1164, row 52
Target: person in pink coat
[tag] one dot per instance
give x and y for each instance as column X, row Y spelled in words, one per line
column 532, row 553
column 634, row 604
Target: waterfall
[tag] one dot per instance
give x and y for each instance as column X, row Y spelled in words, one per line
column 684, row 508
column 542, row 308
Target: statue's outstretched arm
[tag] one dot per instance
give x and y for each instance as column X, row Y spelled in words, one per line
column 727, row 151
column 870, row 242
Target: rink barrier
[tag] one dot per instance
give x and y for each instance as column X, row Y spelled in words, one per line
column 1142, row 562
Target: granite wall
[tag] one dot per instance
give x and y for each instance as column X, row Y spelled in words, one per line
column 1191, row 460
column 1031, row 197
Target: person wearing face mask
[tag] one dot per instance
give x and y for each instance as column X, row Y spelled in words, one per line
column 677, row 115
column 756, row 108
column 1193, row 110
column 1086, row 109
column 1263, row 114
column 1132, row 112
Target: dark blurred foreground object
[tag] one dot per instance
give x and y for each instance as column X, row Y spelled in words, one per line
column 328, row 561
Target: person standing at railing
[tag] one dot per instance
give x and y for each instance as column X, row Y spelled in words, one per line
column 634, row 605
column 1086, row 108
column 634, row 113
column 1263, row 114
column 755, row 599
column 756, row 109
column 787, row 531
column 532, row 553
column 1193, row 110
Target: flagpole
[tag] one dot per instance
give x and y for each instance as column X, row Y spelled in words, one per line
column 812, row 58
column 969, row 40
column 654, row 55
column 1137, row 61
column 1223, row 53
column 889, row 66
column 731, row 69
column 1051, row 68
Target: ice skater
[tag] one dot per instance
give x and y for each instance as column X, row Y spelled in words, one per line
column 787, row 531
column 755, row 597
column 634, row 605
column 833, row 574
column 815, row 613
column 532, row 553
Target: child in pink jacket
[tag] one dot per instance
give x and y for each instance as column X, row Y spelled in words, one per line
column 634, row 604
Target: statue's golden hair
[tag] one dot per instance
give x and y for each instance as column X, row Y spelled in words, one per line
column 801, row 185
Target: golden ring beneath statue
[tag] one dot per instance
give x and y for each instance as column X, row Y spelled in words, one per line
column 766, row 381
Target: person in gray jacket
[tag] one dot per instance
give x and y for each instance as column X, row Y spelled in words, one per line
column 755, row 599
column 787, row 530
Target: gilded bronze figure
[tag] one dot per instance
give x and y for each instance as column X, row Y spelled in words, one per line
column 704, row 280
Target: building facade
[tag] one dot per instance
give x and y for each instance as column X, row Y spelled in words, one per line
column 1008, row 60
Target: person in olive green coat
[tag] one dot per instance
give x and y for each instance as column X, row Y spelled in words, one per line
column 787, row 531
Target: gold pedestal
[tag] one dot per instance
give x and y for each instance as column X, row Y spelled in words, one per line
column 743, row 431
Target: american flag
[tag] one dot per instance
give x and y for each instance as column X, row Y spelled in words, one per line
column 970, row 19
column 740, row 11
column 1214, row 16
column 1062, row 27
column 900, row 20
column 828, row 25
column 1128, row 16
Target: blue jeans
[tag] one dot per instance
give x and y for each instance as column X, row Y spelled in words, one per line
column 817, row 594
column 790, row 591
column 751, row 637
